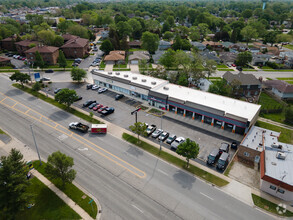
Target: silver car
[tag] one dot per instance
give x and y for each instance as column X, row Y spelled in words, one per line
column 157, row 133
column 177, row 141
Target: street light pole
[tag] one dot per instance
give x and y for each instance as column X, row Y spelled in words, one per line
column 161, row 129
column 36, row 144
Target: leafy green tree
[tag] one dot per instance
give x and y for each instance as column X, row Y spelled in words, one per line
column 289, row 115
column 136, row 28
column 203, row 30
column 107, row 46
column 143, row 65
column 248, row 33
column 139, row 128
column 46, row 36
column 58, row 41
column 21, row 77
column 124, row 29
column 247, row 13
column 166, row 27
column 62, row 60
column 59, row 166
column 39, row 60
column 150, row 42
column 220, row 87
column 37, row 86
column 78, row 30
column 168, row 35
column 168, row 58
column 271, row 37
column 244, row 58
column 13, row 191
column 183, row 79
column 194, row 34
column 32, row 45
column 66, row 96
column 210, row 67
column 188, row 149
column 78, row 74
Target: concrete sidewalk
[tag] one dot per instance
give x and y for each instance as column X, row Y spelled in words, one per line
column 275, row 123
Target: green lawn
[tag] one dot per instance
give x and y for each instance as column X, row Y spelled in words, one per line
column 69, row 65
column 102, row 65
column 283, row 78
column 71, row 191
column 136, row 49
column 47, row 204
column 281, row 70
column 176, row 161
column 223, row 66
column 155, row 111
column 225, row 70
column 268, row 102
column 268, row 206
column 121, row 69
column 286, row 134
column 6, row 67
column 288, row 46
column 2, row 132
column 266, row 68
column 290, row 81
column 120, row 66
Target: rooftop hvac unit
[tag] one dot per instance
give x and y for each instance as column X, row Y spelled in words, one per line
column 125, row 75
column 110, row 73
column 143, row 80
column 281, row 155
column 153, row 83
column 117, row 73
column 278, row 146
column 166, row 88
column 134, row 78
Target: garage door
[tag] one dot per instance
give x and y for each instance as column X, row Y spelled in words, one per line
column 134, row 61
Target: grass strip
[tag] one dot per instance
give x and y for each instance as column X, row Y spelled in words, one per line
column 176, row 161
column 284, row 78
column 155, row 111
column 2, row 132
column 286, row 134
column 227, row 171
column 285, row 70
column 119, row 69
column 225, row 69
column 269, row 206
column 57, row 104
column 71, row 191
column 47, row 205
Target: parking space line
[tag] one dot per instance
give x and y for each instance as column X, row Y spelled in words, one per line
column 161, row 171
column 27, row 111
column 3, row 99
column 14, row 105
column 136, row 208
column 206, row 196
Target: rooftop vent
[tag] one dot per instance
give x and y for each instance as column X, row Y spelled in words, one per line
column 125, row 75
column 143, row 80
column 134, row 77
column 153, row 83
column 273, row 163
column 110, row 73
column 278, row 146
column 281, row 155
column 117, row 73
column 166, row 88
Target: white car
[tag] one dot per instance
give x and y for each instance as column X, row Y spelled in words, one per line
column 95, row 64
column 95, row 87
column 177, row 141
column 101, row 90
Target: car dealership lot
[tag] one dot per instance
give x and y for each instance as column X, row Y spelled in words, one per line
column 122, row 117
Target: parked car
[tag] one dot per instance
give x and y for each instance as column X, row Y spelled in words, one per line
column 75, row 64
column 234, row 145
column 150, row 129
column 98, row 106
column 95, row 87
column 101, row 90
column 119, row 96
column 45, row 79
column 102, row 109
column 164, row 136
column 108, row 111
column 78, row 60
column 224, row 148
column 49, row 71
column 57, row 90
column 223, row 161
column 213, row 156
column 89, row 86
column 92, row 105
column 171, row 138
column 88, row 103
column 228, row 65
column 10, row 55
column 234, row 65
column 157, row 133
column 95, row 49
column 94, row 64
column 78, row 98
column 177, row 142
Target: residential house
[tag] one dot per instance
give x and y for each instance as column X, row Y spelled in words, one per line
column 164, row 45
column 68, row 37
column 104, row 34
column 282, row 89
column 260, row 59
column 228, row 57
column 8, row 43
column 138, row 55
column 204, row 84
column 134, row 44
column 4, row 61
column 115, row 56
column 210, row 55
column 217, row 46
column 156, row 57
column 76, row 48
column 249, row 84
column 198, row 45
column 49, row 54
column 227, row 44
column 239, row 47
column 254, row 50
column 24, row 45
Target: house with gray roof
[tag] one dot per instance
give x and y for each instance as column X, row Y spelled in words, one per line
column 198, row 45
column 210, row 56
column 164, row 45
column 249, row 85
column 228, row 57
column 282, row 89
column 137, row 56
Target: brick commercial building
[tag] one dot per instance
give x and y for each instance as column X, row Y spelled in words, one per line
column 76, row 48
column 4, row 61
column 49, row 54
column 8, row 44
column 24, row 45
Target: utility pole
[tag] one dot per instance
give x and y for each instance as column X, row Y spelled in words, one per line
column 36, row 144
column 135, row 112
column 162, row 129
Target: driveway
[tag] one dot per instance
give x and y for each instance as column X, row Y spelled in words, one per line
column 108, row 67
column 134, row 68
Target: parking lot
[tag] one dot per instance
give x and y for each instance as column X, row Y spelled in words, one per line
column 123, row 118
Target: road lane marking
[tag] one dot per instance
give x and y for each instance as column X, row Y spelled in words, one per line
column 139, row 173
column 206, row 196
column 27, row 111
column 137, row 208
column 161, row 171
column 3, row 99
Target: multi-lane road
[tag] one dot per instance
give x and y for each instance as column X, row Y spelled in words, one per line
column 128, row 182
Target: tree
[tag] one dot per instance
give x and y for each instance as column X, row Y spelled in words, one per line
column 66, row 96
column 46, row 36
column 247, row 13
column 248, row 33
column 210, row 67
column 37, row 86
column 14, row 184
column 244, row 58
column 143, row 65
column 39, row 60
column 78, row 30
column 78, row 74
column 59, row 166
column 203, row 30
column 139, row 128
column 289, row 115
column 168, row 35
column 168, row 58
column 21, row 77
column 124, row 29
column 106, row 46
column 150, row 42
column 62, row 60
column 271, row 37
column 58, row 41
column 194, row 34
column 188, row 149
column 220, row 87
column 166, row 27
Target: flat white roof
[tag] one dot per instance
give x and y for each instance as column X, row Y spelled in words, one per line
column 228, row 105
column 135, row 78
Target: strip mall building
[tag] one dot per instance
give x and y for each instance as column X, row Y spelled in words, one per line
column 223, row 112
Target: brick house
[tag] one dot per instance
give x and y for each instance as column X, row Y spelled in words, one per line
column 23, row 46
column 76, row 48
column 215, row 45
column 49, row 54
column 68, row 37
column 249, row 84
column 115, row 56
column 8, row 44
column 4, row 61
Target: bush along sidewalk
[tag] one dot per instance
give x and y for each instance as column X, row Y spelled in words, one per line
column 176, row 161
column 74, row 193
column 57, row 104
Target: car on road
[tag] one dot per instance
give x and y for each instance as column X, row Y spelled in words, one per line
column 164, row 136
column 157, row 133
column 97, row 107
column 49, row 71
column 171, row 138
column 224, row 148
column 228, row 65
column 119, row 96
column 89, row 86
column 45, row 79
column 88, row 103
column 101, row 90
column 177, row 142
column 234, row 145
column 102, row 109
column 213, row 156
column 150, row 129
column 95, row 87
column 75, row 64
column 234, row 65
column 95, row 64
column 92, row 105
column 57, row 90
column 223, row 161
column 78, row 98
column 108, row 111
column 95, row 49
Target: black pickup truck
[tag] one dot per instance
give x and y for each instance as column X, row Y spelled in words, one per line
column 79, row 126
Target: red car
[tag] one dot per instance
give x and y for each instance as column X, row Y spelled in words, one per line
column 233, row 65
column 97, row 107
column 102, row 109
column 23, row 59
